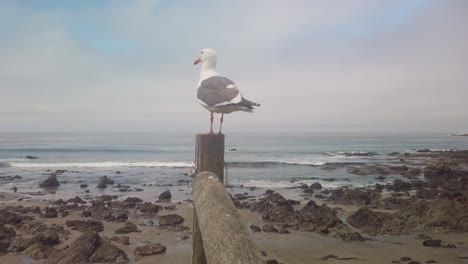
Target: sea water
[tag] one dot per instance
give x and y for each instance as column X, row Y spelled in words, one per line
column 253, row 159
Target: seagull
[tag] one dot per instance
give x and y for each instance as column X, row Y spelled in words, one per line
column 217, row 93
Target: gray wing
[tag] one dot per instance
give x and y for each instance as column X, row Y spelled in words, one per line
column 218, row 90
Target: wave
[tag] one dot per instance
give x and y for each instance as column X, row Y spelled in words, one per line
column 432, row 150
column 268, row 164
column 351, row 153
column 108, row 164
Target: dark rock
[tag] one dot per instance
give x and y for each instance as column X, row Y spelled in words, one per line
column 150, row 208
column 127, row 228
column 438, row 172
column 171, row 219
column 272, row 261
column 6, row 234
column 30, row 157
column 404, row 259
column 316, row 186
column 106, row 252
column 89, row 248
column 269, row 228
column 124, row 240
column 166, row 195
column 351, row 236
column 60, row 202
column 255, row 228
column 354, row 196
column 51, row 181
column 310, row 191
column 432, row 243
column 150, row 249
column 50, row 212
column 104, row 182
column 414, row 262
column 133, row 200
column 83, row 185
column 85, row 226
column 269, row 191
column 76, row 200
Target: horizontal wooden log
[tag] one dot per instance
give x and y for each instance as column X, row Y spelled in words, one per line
column 225, row 237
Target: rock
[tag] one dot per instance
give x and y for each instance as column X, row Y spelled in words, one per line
column 269, row 191
column 399, row 185
column 83, row 185
column 6, row 234
column 414, row 262
column 272, row 261
column 354, row 196
column 171, row 219
column 166, row 195
column 309, row 190
column 50, row 212
column 85, row 226
column 60, row 202
column 89, row 248
column 124, row 240
column 133, row 200
column 129, row 227
column 269, row 228
column 104, row 182
column 149, row 208
column 150, row 249
column 438, row 172
column 283, row 230
column 351, row 236
column 106, row 252
column 405, row 259
column 51, row 181
column 316, row 186
column 432, row 243
column 394, row 153
column 255, row 229
column 31, row 157
column 76, row 200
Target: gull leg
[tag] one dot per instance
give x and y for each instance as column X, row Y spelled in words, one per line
column 211, row 122
column 221, row 123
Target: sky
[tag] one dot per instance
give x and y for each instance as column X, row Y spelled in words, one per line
column 373, row 66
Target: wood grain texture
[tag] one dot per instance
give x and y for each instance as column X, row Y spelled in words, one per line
column 225, row 237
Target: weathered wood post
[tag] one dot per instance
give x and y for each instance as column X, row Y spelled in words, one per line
column 209, row 156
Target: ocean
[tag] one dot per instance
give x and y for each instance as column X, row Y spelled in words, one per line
column 273, row 160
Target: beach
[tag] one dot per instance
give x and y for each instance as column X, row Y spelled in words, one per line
column 363, row 203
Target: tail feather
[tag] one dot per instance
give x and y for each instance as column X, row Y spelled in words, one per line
column 247, row 103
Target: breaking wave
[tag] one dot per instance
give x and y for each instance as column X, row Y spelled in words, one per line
column 108, row 164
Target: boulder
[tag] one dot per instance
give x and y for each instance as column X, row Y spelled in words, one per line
column 316, row 186
column 432, row 243
column 50, row 212
column 124, row 240
column 166, row 195
column 85, row 226
column 89, row 248
column 171, row 219
column 438, row 172
column 354, row 196
column 129, row 227
column 51, row 181
column 150, row 249
column 269, row 228
column 255, row 229
column 6, row 234
column 104, row 182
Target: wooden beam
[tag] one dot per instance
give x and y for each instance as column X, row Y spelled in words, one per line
column 225, row 237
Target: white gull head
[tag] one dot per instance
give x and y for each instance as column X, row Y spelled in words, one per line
column 208, row 59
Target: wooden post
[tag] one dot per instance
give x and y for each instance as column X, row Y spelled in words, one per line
column 209, row 156
column 225, row 237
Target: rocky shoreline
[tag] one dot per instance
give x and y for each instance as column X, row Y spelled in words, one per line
column 402, row 221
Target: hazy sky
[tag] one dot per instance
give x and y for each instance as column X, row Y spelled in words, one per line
column 319, row 66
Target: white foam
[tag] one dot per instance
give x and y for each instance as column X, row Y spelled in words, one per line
column 107, row 164
column 268, row 184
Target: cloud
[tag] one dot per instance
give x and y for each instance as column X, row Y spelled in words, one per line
column 314, row 65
